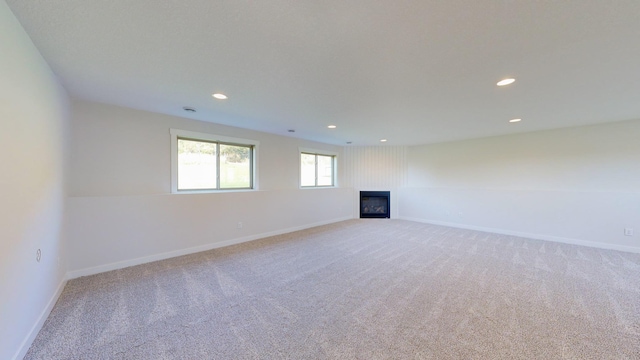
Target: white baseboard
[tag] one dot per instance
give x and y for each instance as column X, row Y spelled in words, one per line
column 559, row 239
column 146, row 259
column 35, row 329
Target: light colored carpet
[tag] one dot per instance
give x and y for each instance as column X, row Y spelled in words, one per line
column 360, row 289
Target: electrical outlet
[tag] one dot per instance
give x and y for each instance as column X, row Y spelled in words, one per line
column 38, row 255
column 239, row 224
column 628, row 232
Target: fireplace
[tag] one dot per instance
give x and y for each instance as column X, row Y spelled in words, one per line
column 375, row 204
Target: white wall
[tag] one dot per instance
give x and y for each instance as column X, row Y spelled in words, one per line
column 578, row 185
column 375, row 168
column 121, row 211
column 34, row 116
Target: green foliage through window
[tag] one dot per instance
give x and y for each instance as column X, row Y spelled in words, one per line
column 205, row 165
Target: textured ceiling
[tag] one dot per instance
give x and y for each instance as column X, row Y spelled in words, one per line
column 413, row 72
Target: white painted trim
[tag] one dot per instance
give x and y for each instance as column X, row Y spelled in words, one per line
column 593, row 244
column 317, row 151
column 175, row 133
column 167, row 255
column 35, row 329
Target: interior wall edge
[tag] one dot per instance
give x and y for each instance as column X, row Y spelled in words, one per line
column 37, row 326
column 35, row 114
column 551, row 238
column 596, row 219
column 192, row 250
column 112, row 232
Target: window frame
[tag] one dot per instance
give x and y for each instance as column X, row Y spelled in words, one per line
column 317, row 152
column 218, row 140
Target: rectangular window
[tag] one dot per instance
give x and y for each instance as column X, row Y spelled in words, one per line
column 202, row 162
column 317, row 169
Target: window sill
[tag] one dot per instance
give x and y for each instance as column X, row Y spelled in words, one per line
column 317, row 187
column 179, row 192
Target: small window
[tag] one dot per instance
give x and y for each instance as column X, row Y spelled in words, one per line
column 317, row 169
column 210, row 162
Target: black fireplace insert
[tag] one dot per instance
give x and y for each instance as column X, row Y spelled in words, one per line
column 375, row 204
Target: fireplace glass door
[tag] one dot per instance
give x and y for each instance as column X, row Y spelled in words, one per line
column 375, row 204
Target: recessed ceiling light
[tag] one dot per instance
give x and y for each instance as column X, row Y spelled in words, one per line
column 505, row 82
column 383, row 140
column 332, row 126
column 515, row 120
column 220, row 96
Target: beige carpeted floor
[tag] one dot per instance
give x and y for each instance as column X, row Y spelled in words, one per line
column 360, row 289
